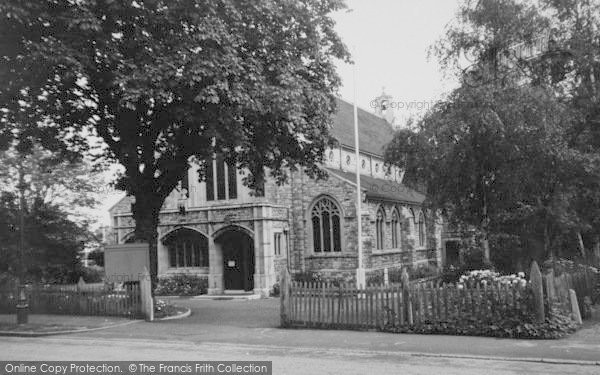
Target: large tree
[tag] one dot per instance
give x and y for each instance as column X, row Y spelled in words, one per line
column 490, row 155
column 501, row 153
column 163, row 83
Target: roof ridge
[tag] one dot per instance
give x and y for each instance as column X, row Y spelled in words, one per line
column 375, row 132
column 364, row 110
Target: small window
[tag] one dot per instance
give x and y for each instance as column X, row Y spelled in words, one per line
column 376, row 167
column 395, row 224
column 379, row 225
column 277, row 243
column 221, row 188
column 209, row 180
column 280, row 243
column 232, row 182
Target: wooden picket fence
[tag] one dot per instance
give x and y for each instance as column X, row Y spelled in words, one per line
column 584, row 283
column 323, row 305
column 76, row 299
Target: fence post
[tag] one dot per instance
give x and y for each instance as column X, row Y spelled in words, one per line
column 550, row 288
column 81, row 298
column 406, row 297
column 538, row 291
column 575, row 313
column 146, row 296
column 285, row 291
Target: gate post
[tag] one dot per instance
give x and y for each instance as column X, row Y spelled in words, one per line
column 285, row 292
column 406, row 297
column 538, row 291
column 575, row 312
column 147, row 301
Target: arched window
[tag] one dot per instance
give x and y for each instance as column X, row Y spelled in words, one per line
column 187, row 248
column 422, row 231
column 326, row 226
column 395, row 229
column 379, row 225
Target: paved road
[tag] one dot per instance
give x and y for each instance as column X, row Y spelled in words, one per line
column 256, row 322
column 285, row 360
column 236, row 329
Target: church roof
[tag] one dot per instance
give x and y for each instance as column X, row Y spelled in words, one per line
column 374, row 132
column 380, row 189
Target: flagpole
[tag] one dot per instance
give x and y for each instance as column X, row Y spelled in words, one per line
column 360, row 271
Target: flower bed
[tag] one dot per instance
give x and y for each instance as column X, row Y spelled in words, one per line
column 182, row 284
column 163, row 309
column 489, row 277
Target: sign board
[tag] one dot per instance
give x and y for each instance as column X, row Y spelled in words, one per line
column 126, row 262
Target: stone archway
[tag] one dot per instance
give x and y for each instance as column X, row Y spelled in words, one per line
column 238, row 259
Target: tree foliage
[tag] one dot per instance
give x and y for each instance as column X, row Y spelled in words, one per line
column 50, row 179
column 52, row 246
column 510, row 151
column 166, row 82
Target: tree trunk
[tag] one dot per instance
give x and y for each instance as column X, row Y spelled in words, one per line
column 146, row 215
column 547, row 249
column 485, row 223
column 486, row 248
column 580, row 244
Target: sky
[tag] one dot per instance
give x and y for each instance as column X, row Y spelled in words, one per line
column 389, row 41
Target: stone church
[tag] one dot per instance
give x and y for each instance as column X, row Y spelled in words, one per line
column 218, row 228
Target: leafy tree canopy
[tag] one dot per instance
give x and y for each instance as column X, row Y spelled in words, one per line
column 505, row 151
column 165, row 82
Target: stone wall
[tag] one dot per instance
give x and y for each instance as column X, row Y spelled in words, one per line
column 304, row 192
column 286, row 209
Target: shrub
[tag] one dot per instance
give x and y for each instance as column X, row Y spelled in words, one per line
column 500, row 321
column 321, row 277
column 375, row 278
column 561, row 266
column 423, row 270
column 182, row 284
column 395, row 274
column 92, row 274
column 451, row 273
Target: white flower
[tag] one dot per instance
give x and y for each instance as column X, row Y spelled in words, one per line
column 521, row 274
